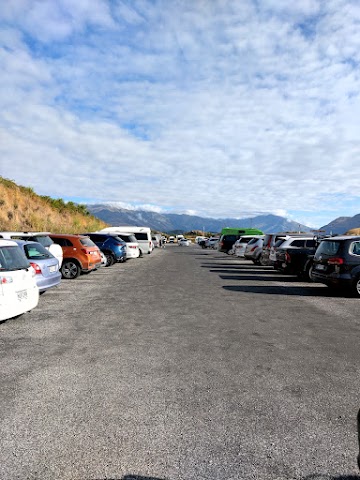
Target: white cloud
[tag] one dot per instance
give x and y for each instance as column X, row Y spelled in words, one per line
column 220, row 110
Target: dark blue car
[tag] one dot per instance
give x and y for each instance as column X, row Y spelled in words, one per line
column 113, row 247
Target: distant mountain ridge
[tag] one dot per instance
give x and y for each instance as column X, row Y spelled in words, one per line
column 342, row 224
column 170, row 222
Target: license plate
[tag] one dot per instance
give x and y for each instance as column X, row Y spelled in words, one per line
column 53, row 269
column 22, row 295
column 320, row 267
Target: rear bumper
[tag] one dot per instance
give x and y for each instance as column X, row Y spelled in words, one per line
column 333, row 279
column 48, row 282
column 10, row 306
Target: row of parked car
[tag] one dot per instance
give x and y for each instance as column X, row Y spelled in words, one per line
column 333, row 261
column 33, row 262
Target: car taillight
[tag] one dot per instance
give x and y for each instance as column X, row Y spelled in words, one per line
column 36, row 268
column 253, row 249
column 221, row 244
column 335, row 261
column 5, row 280
column 287, row 257
column 132, row 246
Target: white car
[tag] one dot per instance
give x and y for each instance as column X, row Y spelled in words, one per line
column 184, row 242
column 18, row 290
column 132, row 246
column 41, row 237
column 199, row 239
column 241, row 244
column 212, row 242
column 104, row 260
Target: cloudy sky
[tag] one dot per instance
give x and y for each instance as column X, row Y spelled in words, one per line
column 215, row 107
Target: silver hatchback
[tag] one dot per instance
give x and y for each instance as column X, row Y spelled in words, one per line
column 46, row 266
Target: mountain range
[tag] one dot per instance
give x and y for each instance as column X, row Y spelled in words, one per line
column 178, row 223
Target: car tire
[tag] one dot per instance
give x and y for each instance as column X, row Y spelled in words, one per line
column 70, row 269
column 140, row 253
column 356, row 287
column 110, row 260
column 305, row 275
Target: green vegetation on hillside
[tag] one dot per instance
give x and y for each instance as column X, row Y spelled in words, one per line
column 24, row 210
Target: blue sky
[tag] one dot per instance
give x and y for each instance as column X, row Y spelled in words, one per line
column 220, row 108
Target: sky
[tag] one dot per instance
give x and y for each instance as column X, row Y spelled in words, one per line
column 219, row 108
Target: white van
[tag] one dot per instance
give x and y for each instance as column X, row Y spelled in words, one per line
column 18, row 290
column 142, row 235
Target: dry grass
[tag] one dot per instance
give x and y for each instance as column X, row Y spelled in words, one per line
column 353, row 231
column 21, row 209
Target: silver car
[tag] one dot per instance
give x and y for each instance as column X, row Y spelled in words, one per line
column 46, row 266
column 253, row 250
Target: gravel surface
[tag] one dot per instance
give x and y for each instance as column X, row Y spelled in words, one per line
column 184, row 364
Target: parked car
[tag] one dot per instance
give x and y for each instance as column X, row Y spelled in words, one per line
column 81, row 255
column 142, row 235
column 241, row 244
column 184, row 242
column 132, row 245
column 104, row 260
column 46, row 266
column 157, row 240
column 268, row 246
column 229, row 236
column 336, row 263
column 293, row 254
column 199, row 239
column 214, row 242
column 277, row 252
column 253, row 250
column 18, row 290
column 226, row 242
column 41, row 237
column 171, row 239
column 113, row 247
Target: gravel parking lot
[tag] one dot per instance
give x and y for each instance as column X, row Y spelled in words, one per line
column 184, row 364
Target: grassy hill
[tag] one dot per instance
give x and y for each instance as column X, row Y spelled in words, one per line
column 21, row 209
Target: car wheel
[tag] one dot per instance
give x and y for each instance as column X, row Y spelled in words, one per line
column 306, row 274
column 70, row 269
column 110, row 260
column 140, row 253
column 356, row 287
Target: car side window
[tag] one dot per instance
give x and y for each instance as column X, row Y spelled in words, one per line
column 298, row 243
column 355, row 248
column 63, row 242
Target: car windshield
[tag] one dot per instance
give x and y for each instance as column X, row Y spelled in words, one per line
column 328, row 248
column 87, row 242
column 36, row 250
column 12, row 258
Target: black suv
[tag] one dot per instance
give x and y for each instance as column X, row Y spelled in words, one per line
column 337, row 263
column 113, row 247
